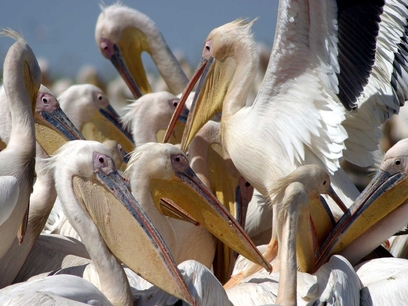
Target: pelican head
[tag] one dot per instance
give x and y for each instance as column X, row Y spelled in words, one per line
column 170, row 176
column 149, row 116
column 52, row 126
column 315, row 181
column 120, row 38
column 99, row 190
column 90, row 111
column 219, row 68
column 385, row 193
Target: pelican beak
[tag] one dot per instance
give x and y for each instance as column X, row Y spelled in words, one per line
column 126, row 229
column 177, row 133
column 190, row 193
column 386, row 192
column 53, row 127
column 231, row 192
column 126, row 56
column 314, row 230
column 181, row 106
column 171, row 209
column 106, row 124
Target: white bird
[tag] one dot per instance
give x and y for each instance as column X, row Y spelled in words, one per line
column 298, row 117
column 149, row 116
column 159, row 171
column 90, row 111
column 122, row 34
column 90, row 189
column 21, row 81
column 378, row 213
column 384, row 281
column 41, row 203
column 219, row 174
column 57, row 222
column 336, row 280
column 53, row 290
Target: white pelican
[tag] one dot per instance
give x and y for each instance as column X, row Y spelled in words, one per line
column 149, row 116
column 122, row 34
column 52, row 126
column 384, row 281
column 53, row 290
column 57, row 222
column 378, row 213
column 110, row 222
column 319, row 61
column 41, row 202
column 156, row 171
column 313, row 223
column 218, row 173
column 294, row 196
column 21, row 81
column 90, row 111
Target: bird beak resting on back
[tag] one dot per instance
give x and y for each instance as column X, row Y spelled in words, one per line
column 126, row 229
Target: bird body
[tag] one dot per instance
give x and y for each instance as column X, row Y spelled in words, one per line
column 122, row 34
column 298, row 117
column 22, row 78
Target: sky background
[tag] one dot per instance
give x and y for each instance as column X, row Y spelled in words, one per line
column 63, row 31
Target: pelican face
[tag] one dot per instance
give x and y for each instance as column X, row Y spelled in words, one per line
column 125, row 55
column 125, row 228
column 171, row 177
column 386, row 192
column 218, row 70
column 105, row 124
column 52, row 126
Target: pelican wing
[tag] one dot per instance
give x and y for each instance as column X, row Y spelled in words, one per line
column 387, row 88
column 308, row 75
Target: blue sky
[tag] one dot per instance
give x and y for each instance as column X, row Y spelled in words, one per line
column 63, row 31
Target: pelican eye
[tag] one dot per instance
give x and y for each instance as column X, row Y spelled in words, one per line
column 45, row 100
column 101, row 160
column 324, row 182
column 177, row 159
column 175, row 104
column 208, row 48
column 99, row 97
column 247, row 184
column 397, row 162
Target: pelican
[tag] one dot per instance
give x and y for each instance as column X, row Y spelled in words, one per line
column 315, row 181
column 122, row 34
column 294, row 196
column 384, row 281
column 90, row 190
column 298, row 116
column 220, row 176
column 89, row 110
column 21, row 81
column 57, row 222
column 166, row 174
column 53, row 290
column 41, row 203
column 378, row 213
column 52, row 126
column 149, row 116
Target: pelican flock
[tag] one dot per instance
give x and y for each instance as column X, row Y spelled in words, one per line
column 226, row 186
